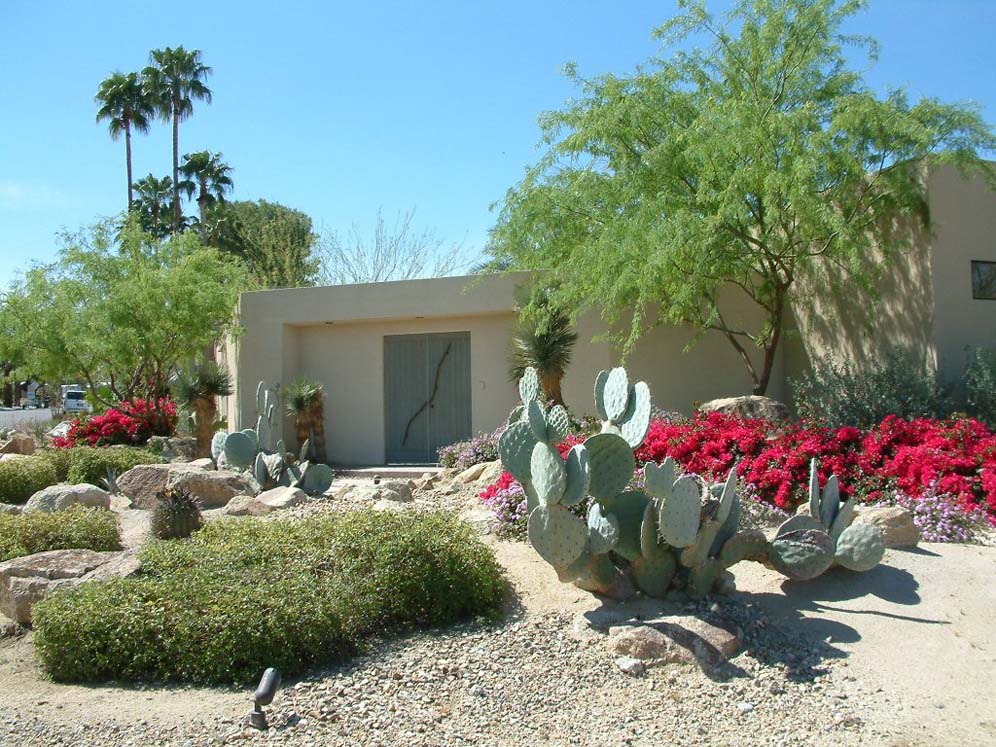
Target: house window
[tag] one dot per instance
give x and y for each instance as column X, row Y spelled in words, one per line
column 984, row 280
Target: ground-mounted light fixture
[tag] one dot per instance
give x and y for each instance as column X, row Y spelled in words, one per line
column 269, row 683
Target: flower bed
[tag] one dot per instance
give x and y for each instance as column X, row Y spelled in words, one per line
column 951, row 462
column 130, row 423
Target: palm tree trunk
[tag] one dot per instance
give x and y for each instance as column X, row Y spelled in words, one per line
column 316, row 414
column 206, row 412
column 550, row 384
column 128, row 158
column 176, row 165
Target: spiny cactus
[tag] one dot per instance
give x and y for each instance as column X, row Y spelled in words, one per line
column 177, row 514
column 258, row 452
column 677, row 533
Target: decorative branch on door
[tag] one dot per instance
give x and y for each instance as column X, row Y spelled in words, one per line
column 435, row 389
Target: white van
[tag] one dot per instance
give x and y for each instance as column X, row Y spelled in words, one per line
column 75, row 401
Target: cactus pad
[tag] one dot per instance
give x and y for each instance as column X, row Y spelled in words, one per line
column 557, row 535
column 659, row 479
column 798, row 522
column 802, row 554
column 860, row 547
column 615, row 395
column 528, row 386
column 260, row 397
column 259, row 470
column 612, row 464
column 628, row 509
column 653, row 576
column 548, row 474
column 558, row 424
column 843, row 519
column 218, row 444
column 263, row 433
column 600, row 380
column 516, row 450
column 747, row 545
column 678, row 513
column 518, row 413
column 240, row 451
column 814, row 490
column 317, row 478
column 636, row 421
column 603, row 530
column 536, row 418
column 650, row 545
column 830, row 501
column 578, row 475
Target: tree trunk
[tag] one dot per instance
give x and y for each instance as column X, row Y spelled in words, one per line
column 206, row 411
column 777, row 317
column 128, row 159
column 176, row 165
column 317, row 433
column 550, row 384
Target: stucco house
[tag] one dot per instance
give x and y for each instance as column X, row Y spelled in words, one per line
column 413, row 365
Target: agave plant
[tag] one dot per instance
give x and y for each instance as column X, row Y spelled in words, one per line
column 197, row 390
column 177, row 514
column 305, row 400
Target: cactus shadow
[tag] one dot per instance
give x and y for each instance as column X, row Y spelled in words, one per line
column 890, row 584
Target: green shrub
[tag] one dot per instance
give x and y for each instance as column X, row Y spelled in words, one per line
column 22, row 478
column 980, row 386
column 839, row 393
column 78, row 527
column 240, row 596
column 59, row 459
column 90, row 465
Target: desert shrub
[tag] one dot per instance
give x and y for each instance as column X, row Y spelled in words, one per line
column 78, row 527
column 60, row 461
column 238, row 597
column 90, row 465
column 22, row 478
column 463, row 454
column 839, row 394
column 941, row 517
column 980, row 386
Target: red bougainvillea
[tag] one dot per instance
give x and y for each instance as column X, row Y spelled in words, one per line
column 916, row 457
column 132, row 423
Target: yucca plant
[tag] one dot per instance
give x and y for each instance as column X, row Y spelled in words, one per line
column 305, row 400
column 197, row 390
column 177, row 514
column 544, row 340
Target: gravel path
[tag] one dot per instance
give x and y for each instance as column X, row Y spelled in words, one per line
column 541, row 676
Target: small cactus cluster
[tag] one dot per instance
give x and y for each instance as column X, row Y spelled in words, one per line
column 823, row 535
column 675, row 533
column 261, row 453
column 177, row 514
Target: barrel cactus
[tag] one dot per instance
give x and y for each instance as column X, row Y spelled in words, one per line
column 675, row 533
column 177, row 514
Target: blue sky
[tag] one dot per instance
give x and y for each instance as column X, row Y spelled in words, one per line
column 339, row 109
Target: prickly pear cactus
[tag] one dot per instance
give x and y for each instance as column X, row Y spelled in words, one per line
column 677, row 533
column 260, row 453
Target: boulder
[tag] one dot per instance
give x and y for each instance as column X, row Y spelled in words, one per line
column 213, row 489
column 283, row 497
column 397, row 491
column 632, row 667
column 18, row 443
column 386, row 504
column 24, row 581
column 491, row 472
column 751, row 406
column 142, row 482
column 472, row 473
column 6, row 508
column 12, row 457
column 242, row 505
column 896, row 523
column 205, row 463
column 62, row 496
column 645, row 643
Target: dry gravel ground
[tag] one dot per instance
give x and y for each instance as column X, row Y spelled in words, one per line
column 900, row 657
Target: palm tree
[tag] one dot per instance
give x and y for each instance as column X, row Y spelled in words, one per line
column 153, row 203
column 545, row 344
column 209, row 177
column 126, row 106
column 305, row 400
column 175, row 78
column 197, row 390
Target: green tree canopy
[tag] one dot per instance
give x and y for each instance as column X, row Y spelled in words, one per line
column 274, row 241
column 119, row 310
column 746, row 156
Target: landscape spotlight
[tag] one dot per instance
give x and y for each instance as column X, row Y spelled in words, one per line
column 268, row 685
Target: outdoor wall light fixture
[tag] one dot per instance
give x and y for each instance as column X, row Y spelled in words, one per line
column 269, row 683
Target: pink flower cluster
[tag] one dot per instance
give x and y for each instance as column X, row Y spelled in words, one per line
column 132, row 423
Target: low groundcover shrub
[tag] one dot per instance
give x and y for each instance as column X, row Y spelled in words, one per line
column 240, row 596
column 21, row 478
column 77, row 527
column 91, row 464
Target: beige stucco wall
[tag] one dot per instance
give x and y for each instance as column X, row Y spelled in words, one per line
column 335, row 335
column 924, row 298
column 963, row 218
